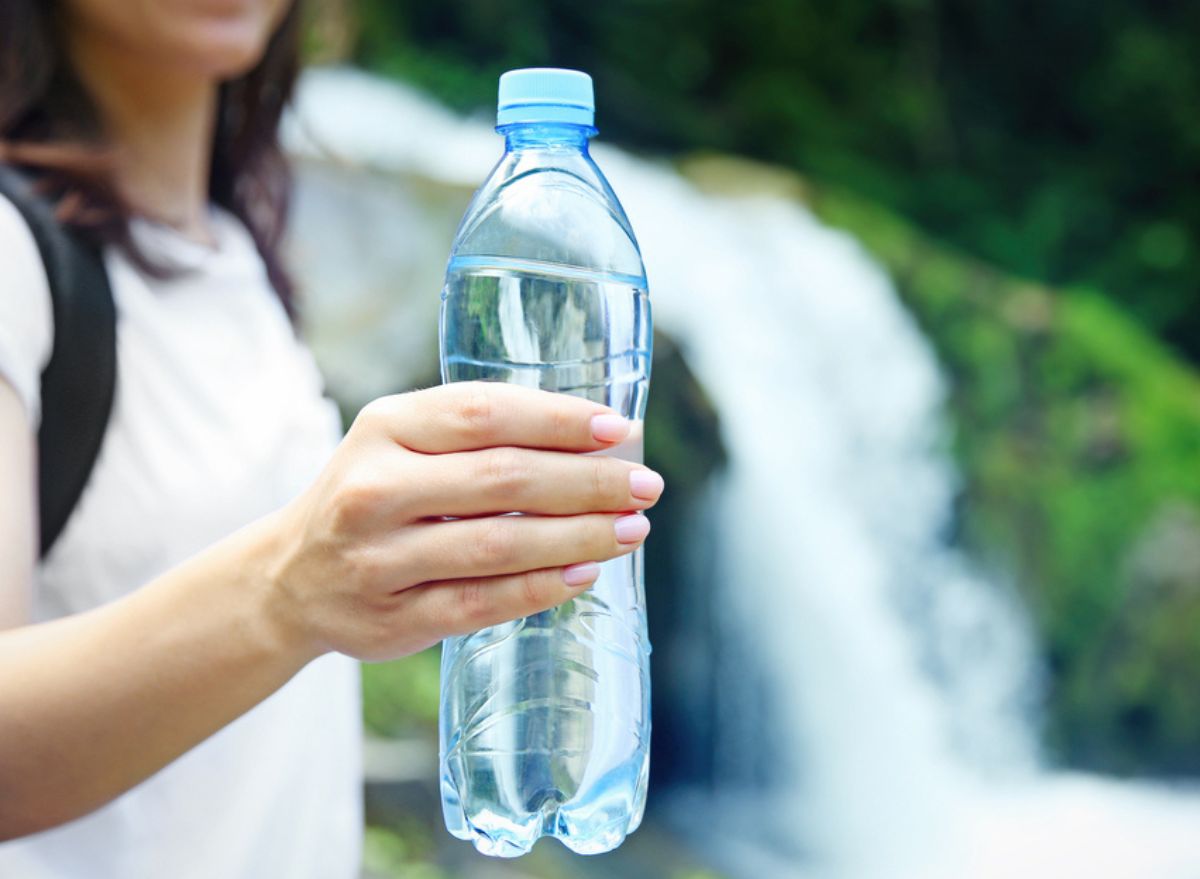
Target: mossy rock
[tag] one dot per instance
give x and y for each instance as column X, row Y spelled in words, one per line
column 1075, row 431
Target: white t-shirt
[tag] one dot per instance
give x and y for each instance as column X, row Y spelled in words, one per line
column 218, row 418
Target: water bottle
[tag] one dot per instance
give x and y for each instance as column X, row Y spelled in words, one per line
column 545, row 722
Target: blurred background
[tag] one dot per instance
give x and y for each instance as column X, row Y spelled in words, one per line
column 924, row 591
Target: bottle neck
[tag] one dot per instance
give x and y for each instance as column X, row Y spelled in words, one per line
column 545, row 135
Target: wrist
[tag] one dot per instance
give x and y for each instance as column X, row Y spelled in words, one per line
column 278, row 615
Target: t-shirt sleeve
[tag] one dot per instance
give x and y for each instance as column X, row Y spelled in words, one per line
column 26, row 317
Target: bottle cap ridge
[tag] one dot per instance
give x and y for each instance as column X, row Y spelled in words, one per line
column 545, row 94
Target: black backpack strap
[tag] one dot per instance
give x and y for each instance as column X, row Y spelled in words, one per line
column 79, row 381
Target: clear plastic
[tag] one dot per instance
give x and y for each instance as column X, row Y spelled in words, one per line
column 545, row 722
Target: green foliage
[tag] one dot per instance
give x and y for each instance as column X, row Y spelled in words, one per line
column 400, row 852
column 1058, row 140
column 401, row 697
column 1079, row 438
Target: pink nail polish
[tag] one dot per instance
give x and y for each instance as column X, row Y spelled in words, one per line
column 610, row 428
column 631, row 529
column 645, row 484
column 582, row 574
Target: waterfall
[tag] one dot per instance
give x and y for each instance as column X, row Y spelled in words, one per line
column 899, row 679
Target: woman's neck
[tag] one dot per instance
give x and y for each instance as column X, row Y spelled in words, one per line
column 161, row 122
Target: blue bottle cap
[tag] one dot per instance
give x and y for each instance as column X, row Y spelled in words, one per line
column 545, row 94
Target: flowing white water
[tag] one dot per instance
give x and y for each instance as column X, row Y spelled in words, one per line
column 897, row 677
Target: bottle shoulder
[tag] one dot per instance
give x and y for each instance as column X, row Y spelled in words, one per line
column 551, row 205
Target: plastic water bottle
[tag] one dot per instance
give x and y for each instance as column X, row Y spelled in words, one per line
column 545, row 722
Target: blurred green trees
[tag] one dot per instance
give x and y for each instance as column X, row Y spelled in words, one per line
column 1058, row 139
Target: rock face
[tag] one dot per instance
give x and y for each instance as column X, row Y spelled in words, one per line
column 683, row 442
column 1148, row 661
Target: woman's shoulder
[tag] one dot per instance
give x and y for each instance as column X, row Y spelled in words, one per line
column 26, row 316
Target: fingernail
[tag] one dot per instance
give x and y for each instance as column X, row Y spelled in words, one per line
column 581, row 575
column 645, row 484
column 631, row 529
column 609, row 428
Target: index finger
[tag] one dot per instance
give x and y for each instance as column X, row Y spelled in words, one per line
column 466, row 416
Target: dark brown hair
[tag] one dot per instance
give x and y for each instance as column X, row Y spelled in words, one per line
column 50, row 126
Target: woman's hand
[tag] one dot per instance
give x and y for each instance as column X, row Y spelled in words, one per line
column 365, row 562
column 370, row 562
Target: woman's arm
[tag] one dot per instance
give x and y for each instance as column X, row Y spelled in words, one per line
column 92, row 704
column 368, row 562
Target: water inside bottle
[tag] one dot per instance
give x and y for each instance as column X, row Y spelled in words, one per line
column 545, row 721
column 548, row 326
